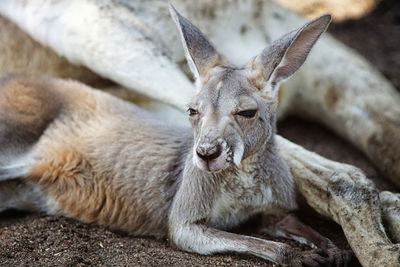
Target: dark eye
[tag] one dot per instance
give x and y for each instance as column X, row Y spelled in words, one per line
column 250, row 113
column 192, row 112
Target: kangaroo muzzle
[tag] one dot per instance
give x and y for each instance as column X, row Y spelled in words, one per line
column 209, row 152
column 210, row 156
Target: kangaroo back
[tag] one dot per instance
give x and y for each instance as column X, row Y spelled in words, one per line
column 91, row 156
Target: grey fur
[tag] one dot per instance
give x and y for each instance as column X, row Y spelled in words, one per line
column 248, row 176
column 153, row 173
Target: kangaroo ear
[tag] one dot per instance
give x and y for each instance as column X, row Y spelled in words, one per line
column 285, row 55
column 199, row 52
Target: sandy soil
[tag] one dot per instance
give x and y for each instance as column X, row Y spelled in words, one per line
column 41, row 240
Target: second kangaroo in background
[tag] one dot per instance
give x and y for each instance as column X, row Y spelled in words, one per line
column 67, row 149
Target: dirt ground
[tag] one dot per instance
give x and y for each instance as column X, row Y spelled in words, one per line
column 41, row 240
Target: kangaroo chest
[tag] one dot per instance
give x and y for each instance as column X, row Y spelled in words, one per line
column 240, row 197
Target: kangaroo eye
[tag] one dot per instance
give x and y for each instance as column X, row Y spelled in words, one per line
column 250, row 113
column 192, row 112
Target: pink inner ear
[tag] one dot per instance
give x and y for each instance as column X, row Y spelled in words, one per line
column 285, row 55
column 299, row 49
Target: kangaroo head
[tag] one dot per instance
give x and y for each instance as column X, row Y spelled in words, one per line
column 233, row 112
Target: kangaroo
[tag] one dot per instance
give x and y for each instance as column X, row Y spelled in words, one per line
column 70, row 150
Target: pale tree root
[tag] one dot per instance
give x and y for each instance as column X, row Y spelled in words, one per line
column 363, row 108
column 391, row 214
column 342, row 193
column 383, row 148
column 20, row 54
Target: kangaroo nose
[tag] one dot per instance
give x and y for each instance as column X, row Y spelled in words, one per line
column 208, row 153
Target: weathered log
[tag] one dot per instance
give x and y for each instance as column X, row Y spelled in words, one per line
column 342, row 193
